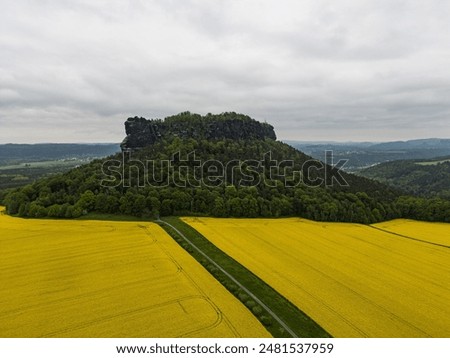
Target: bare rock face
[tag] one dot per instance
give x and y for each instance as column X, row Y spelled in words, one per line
column 142, row 132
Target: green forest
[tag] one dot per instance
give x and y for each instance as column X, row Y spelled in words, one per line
column 427, row 178
column 244, row 190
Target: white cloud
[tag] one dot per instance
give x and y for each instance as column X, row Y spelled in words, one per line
column 367, row 70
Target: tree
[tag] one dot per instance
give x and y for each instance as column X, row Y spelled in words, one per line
column 219, row 209
column 87, row 201
column 14, row 201
column 54, row 210
column 166, row 207
column 235, row 207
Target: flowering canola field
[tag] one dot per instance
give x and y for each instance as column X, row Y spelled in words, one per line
column 438, row 233
column 354, row 280
column 63, row 278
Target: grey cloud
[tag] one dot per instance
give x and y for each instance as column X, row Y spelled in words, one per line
column 74, row 70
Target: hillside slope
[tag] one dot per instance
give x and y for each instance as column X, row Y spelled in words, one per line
column 430, row 178
column 238, row 174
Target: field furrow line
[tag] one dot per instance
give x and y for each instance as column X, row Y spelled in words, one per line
column 242, row 287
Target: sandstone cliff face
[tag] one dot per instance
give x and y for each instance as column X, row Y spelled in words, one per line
column 142, row 132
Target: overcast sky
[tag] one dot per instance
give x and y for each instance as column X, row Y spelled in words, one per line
column 74, row 70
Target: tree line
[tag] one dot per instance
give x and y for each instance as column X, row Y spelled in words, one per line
column 79, row 191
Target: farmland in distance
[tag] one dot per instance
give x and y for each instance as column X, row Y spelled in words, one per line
column 62, row 278
column 354, row 280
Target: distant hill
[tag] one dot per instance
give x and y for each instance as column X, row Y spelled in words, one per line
column 22, row 164
column 426, row 177
column 20, row 153
column 415, row 144
column 365, row 154
column 223, row 165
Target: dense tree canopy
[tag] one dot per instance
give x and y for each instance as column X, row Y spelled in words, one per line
column 428, row 178
column 243, row 189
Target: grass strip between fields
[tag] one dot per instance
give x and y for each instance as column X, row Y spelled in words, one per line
column 280, row 316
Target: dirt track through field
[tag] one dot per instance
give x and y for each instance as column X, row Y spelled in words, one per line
column 241, row 286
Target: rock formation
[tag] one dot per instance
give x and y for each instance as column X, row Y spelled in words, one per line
column 142, row 132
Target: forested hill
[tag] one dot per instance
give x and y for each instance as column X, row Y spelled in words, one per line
column 427, row 177
column 365, row 154
column 192, row 170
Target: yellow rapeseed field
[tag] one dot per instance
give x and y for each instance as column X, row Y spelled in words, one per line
column 354, row 280
column 438, row 233
column 62, row 278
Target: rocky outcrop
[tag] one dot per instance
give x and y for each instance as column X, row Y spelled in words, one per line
column 142, row 132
